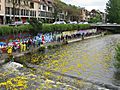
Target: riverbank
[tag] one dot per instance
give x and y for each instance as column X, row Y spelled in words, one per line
column 32, row 49
column 13, row 75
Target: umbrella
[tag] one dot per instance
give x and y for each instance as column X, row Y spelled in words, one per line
column 2, row 43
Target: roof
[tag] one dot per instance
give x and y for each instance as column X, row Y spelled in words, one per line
column 38, row 1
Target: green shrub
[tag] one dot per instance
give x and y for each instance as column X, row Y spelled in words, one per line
column 50, row 47
column 47, row 28
column 63, row 27
column 83, row 26
column 42, row 49
column 56, row 46
column 6, row 30
column 117, row 57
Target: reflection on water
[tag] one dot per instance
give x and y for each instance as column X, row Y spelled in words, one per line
column 89, row 59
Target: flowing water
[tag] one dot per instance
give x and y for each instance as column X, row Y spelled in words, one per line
column 90, row 60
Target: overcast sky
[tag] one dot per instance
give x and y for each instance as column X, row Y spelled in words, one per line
column 88, row 4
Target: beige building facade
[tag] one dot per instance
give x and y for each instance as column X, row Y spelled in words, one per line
column 23, row 11
column 2, row 11
column 40, row 9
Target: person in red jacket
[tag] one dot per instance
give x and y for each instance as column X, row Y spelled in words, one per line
column 43, row 39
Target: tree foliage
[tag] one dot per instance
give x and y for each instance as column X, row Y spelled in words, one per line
column 113, row 11
column 58, row 7
column 73, row 11
column 95, row 19
column 37, row 25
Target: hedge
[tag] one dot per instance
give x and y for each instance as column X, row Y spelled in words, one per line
column 63, row 27
column 6, row 30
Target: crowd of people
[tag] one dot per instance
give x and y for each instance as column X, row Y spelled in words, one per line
column 21, row 45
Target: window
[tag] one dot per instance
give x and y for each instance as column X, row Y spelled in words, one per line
column 21, row 11
column 17, row 11
column 12, row 11
column 44, row 7
column 49, row 8
column 43, row 14
column 31, row 13
column 40, row 7
column 25, row 2
column 24, row 12
column 47, row 14
column 34, row 13
column 27, row 12
column 16, row 1
column 31, row 5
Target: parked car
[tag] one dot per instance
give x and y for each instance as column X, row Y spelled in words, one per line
column 16, row 23
column 74, row 22
column 108, row 23
column 99, row 22
column 80, row 22
column 85, row 22
column 26, row 23
column 114, row 23
column 59, row 22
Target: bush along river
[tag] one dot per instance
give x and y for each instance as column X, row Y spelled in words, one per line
column 84, row 65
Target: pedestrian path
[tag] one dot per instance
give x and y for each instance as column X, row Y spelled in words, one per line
column 79, row 39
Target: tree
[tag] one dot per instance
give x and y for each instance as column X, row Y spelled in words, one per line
column 36, row 24
column 72, row 10
column 113, row 11
column 95, row 19
column 58, row 7
column 73, row 13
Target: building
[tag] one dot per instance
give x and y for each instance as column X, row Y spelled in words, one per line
column 21, row 10
column 98, row 14
column 46, row 10
column 82, row 14
column 40, row 9
column 2, row 11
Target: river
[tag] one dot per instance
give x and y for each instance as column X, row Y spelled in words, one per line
column 90, row 60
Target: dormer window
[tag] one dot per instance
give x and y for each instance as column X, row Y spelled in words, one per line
column 44, row 7
column 31, row 5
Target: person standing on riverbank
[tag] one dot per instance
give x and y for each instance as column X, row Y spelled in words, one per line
column 82, row 36
column 43, row 39
column 24, row 47
column 9, row 50
column 0, row 53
